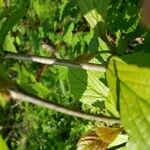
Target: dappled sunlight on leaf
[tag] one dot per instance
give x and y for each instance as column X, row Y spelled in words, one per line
column 95, row 12
column 86, row 86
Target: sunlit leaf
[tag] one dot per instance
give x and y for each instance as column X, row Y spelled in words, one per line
column 86, row 86
column 68, row 35
column 9, row 44
column 41, row 8
column 129, row 84
column 1, row 3
column 3, row 145
column 110, row 106
column 121, row 140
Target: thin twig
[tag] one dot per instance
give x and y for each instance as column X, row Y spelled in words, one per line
column 15, row 105
column 54, row 61
column 59, row 108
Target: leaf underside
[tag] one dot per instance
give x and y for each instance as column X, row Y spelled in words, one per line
column 86, row 86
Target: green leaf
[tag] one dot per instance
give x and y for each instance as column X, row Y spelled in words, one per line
column 121, row 46
column 62, row 72
column 26, row 80
column 95, row 12
column 1, row 3
column 9, row 44
column 3, row 145
column 2, row 100
column 129, row 83
column 86, row 86
column 42, row 8
column 10, row 21
column 111, row 107
column 4, row 12
column 68, row 35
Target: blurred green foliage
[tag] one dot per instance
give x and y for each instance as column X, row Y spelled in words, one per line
column 60, row 26
column 57, row 28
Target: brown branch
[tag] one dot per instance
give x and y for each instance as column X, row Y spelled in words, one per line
column 54, row 61
column 40, row 71
column 59, row 108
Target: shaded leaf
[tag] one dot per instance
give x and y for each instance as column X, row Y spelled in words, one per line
column 4, row 84
column 95, row 12
column 4, row 12
column 10, row 21
column 27, row 81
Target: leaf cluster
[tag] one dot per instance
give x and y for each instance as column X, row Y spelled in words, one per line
column 57, row 29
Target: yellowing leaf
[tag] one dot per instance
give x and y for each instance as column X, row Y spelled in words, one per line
column 91, row 142
column 98, row 139
column 107, row 134
column 86, row 57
